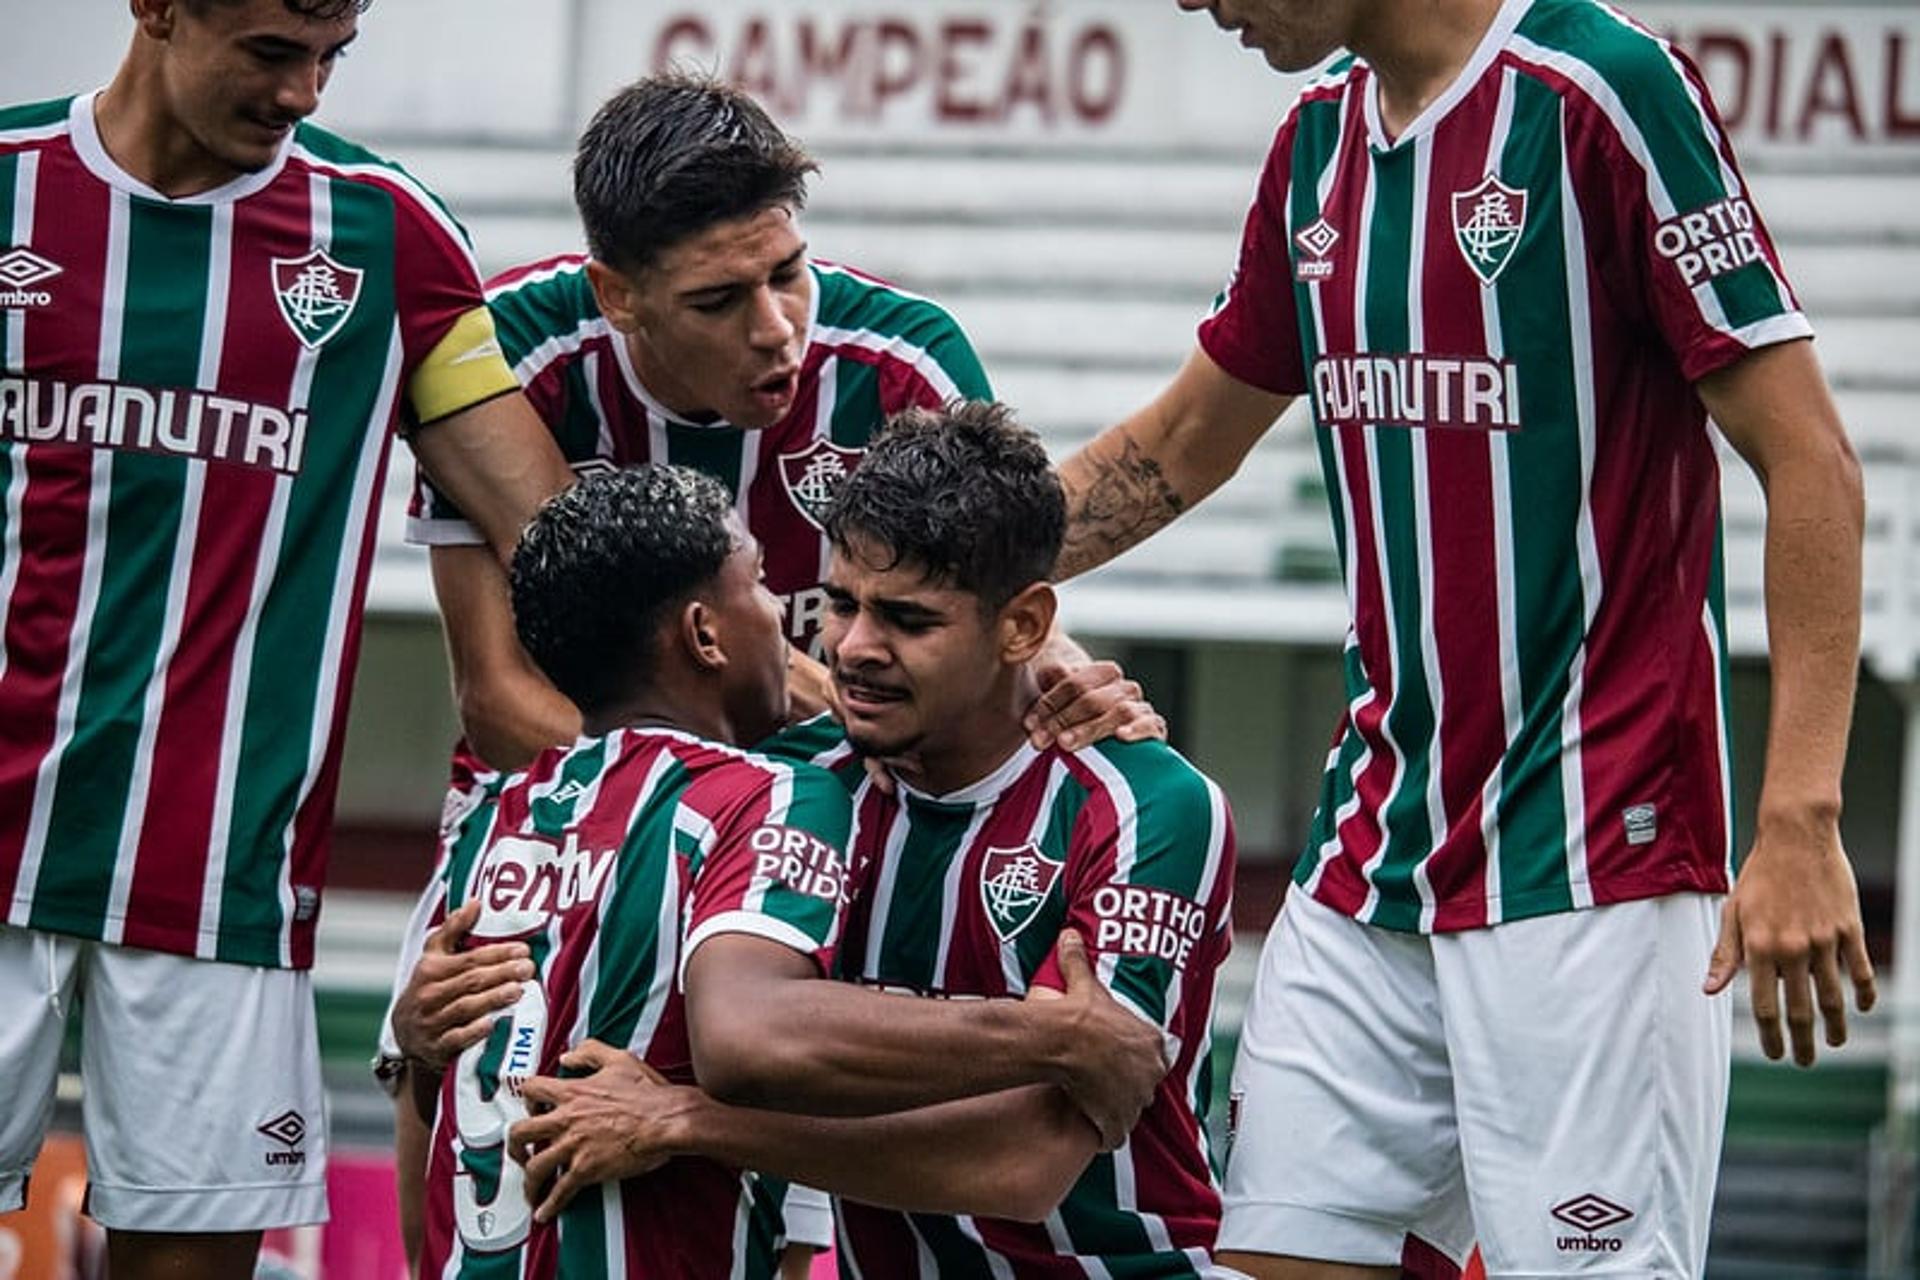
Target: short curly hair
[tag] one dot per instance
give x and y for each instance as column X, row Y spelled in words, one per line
column 320, row 10
column 964, row 492
column 600, row 566
column 673, row 154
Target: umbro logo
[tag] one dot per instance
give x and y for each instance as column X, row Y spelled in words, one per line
column 1315, row 242
column 20, row 269
column 1589, row 1214
column 289, row 1129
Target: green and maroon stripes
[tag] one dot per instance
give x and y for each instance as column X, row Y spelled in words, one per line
column 164, row 256
column 181, row 638
column 666, row 824
column 1131, row 846
column 1535, row 716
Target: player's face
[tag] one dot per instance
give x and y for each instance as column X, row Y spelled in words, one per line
column 719, row 322
column 749, row 618
column 916, row 663
column 236, row 78
column 1292, row 34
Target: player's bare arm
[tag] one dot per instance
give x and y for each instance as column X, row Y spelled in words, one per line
column 508, row 710
column 1011, row 1155
column 1794, row 915
column 767, row 1032
column 495, row 462
column 1135, row 477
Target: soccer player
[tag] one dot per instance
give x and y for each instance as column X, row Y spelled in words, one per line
column 681, row 898
column 217, row 316
column 972, row 867
column 698, row 331
column 1506, row 251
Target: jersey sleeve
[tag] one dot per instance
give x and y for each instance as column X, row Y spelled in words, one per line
column 1149, row 884
column 519, row 326
column 774, row 865
column 1684, row 225
column 466, row 820
column 943, row 367
column 1254, row 330
column 452, row 354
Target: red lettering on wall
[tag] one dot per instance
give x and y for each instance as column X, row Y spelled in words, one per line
column 1098, row 47
column 1832, row 62
column 960, row 43
column 961, row 70
column 1901, row 123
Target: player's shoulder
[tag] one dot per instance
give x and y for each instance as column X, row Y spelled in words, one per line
column 318, row 148
column 819, row 742
column 726, row 771
column 1598, row 45
column 546, row 298
column 1150, row 778
column 30, row 122
column 853, row 302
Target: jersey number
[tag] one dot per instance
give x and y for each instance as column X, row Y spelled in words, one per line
column 486, row 1104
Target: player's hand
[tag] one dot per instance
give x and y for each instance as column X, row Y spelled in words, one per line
column 1113, row 1058
column 1793, row 919
column 615, row 1121
column 455, row 996
column 809, row 688
column 1083, row 701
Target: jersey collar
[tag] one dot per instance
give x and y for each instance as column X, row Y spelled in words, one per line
column 93, row 154
column 986, row 789
column 1494, row 40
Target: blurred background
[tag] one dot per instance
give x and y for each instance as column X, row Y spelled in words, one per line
column 1069, row 177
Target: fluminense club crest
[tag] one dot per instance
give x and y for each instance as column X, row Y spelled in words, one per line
column 1014, row 884
column 316, row 295
column 814, row 475
column 1487, row 222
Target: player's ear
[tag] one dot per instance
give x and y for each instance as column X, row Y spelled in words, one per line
column 699, row 635
column 154, row 17
column 615, row 294
column 1025, row 623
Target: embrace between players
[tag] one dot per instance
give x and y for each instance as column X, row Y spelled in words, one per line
column 660, row 851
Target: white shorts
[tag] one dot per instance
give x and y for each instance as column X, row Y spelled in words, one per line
column 203, row 1106
column 1554, row 1089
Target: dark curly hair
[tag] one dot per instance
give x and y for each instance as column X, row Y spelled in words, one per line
column 320, row 10
column 965, row 492
column 599, row 567
column 672, row 155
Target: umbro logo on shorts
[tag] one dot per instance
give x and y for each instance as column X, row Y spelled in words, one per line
column 289, row 1129
column 1590, row 1214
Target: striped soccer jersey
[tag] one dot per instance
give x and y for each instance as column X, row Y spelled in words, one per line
column 1497, row 318
column 613, row 859
column 196, row 400
column 872, row 350
column 963, row 895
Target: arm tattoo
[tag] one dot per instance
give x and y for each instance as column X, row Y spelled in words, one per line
column 1122, row 501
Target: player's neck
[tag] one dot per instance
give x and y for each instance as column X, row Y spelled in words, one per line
column 1417, row 48
column 972, row 747
column 137, row 133
column 650, row 711
column 663, row 387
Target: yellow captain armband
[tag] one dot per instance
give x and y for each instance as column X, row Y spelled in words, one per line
column 466, row 368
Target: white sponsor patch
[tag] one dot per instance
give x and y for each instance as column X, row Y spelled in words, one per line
column 524, row 883
column 1138, row 920
column 1710, row 241
column 798, row 860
